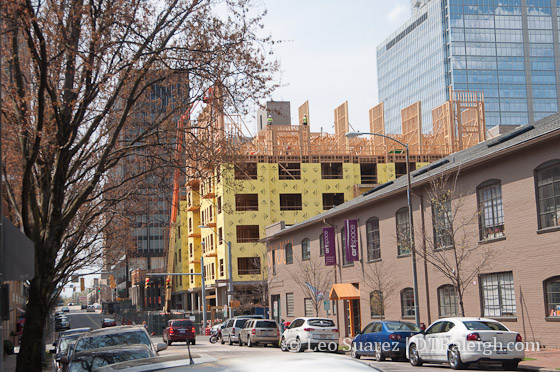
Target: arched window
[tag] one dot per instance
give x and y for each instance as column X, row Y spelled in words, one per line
column 373, row 242
column 547, row 182
column 442, row 221
column 403, row 231
column 407, row 302
column 552, row 297
column 289, row 253
column 376, row 304
column 490, row 210
column 305, row 253
column 448, row 302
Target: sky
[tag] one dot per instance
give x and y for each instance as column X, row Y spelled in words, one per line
column 328, row 54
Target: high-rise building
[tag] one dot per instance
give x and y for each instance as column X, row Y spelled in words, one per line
column 508, row 49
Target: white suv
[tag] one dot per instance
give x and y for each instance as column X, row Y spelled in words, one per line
column 310, row 333
column 231, row 330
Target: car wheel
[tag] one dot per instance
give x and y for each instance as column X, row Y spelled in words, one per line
column 415, row 359
column 193, row 342
column 454, row 358
column 379, row 356
column 299, row 347
column 249, row 343
column 510, row 365
column 240, row 342
column 354, row 352
column 230, row 341
column 283, row 345
column 169, row 342
column 222, row 341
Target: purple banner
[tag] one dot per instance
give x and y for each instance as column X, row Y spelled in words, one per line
column 351, row 227
column 329, row 245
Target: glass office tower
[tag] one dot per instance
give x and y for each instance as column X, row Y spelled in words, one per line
column 508, row 49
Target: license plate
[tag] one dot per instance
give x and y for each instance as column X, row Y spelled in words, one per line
column 182, row 331
column 501, row 351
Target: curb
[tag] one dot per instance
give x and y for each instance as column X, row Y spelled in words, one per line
column 533, row 369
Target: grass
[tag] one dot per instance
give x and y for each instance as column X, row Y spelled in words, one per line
column 527, row 358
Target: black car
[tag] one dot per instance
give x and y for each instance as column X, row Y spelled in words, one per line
column 61, row 323
column 90, row 360
column 63, row 345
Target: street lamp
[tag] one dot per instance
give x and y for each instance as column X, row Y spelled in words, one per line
column 411, row 230
column 230, row 274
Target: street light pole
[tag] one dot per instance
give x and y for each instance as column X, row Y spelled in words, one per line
column 411, row 230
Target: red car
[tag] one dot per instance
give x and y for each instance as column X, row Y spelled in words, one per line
column 179, row 330
column 107, row 322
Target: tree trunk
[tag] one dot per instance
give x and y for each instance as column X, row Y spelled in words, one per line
column 30, row 357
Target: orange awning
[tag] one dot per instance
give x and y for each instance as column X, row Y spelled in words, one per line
column 344, row 291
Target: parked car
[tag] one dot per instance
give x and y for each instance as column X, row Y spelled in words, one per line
column 384, row 339
column 113, row 336
column 108, row 322
column 232, row 328
column 63, row 344
column 462, row 341
column 179, row 330
column 90, row 308
column 259, row 331
column 61, row 323
column 310, row 332
column 65, row 309
column 83, row 306
column 90, row 360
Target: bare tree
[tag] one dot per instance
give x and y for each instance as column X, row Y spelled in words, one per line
column 81, row 87
column 450, row 247
column 314, row 279
column 382, row 285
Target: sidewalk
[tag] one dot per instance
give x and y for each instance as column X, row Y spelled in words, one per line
column 545, row 360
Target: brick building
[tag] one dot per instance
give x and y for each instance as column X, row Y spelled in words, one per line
column 504, row 209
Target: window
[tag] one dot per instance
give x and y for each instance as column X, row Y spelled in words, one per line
column 305, row 252
column 289, row 171
column 490, row 210
column 273, row 261
column 220, row 236
column 290, row 202
column 331, row 200
column 289, row 304
column 289, row 252
column 248, row 265
column 321, row 246
column 407, row 302
column 192, row 276
column 368, row 173
column 308, row 307
column 448, row 301
column 373, row 242
column 403, row 231
column 245, row 171
column 552, row 297
column 221, row 267
column 376, row 305
column 191, row 250
column 498, row 294
column 343, row 248
column 442, row 222
column 246, row 202
column 247, row 233
column 330, row 171
column 547, row 179
column 219, row 202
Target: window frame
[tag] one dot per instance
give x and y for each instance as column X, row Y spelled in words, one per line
column 288, row 313
column 291, row 254
column 379, row 298
column 443, row 294
column 500, row 287
column 550, row 312
column 321, row 245
column 499, row 230
column 373, row 240
column 442, row 225
column 407, row 310
column 308, row 301
column 538, row 170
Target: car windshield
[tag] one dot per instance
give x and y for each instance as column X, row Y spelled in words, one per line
column 321, row 322
column 266, row 324
column 402, row 326
column 481, row 325
column 241, row 322
column 182, row 323
column 112, row 339
column 90, row 362
column 66, row 342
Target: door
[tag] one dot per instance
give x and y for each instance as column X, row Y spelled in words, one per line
column 432, row 338
column 441, row 341
column 276, row 310
column 356, row 318
column 372, row 337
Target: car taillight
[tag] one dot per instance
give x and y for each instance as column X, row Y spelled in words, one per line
column 308, row 329
column 233, row 331
column 277, row 332
column 518, row 338
column 394, row 337
column 473, row 337
column 193, row 330
column 171, row 330
column 253, row 331
column 335, row 330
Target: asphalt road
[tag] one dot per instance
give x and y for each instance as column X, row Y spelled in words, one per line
column 81, row 318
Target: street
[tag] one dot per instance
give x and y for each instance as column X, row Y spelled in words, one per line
column 81, row 318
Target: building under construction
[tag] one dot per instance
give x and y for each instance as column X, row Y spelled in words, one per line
column 288, row 173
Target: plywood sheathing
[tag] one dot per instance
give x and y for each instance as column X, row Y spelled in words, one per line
column 377, row 125
column 341, row 126
column 411, row 118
